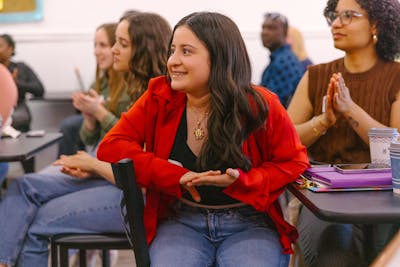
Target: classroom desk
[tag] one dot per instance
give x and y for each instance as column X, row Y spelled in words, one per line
column 365, row 207
column 24, row 148
column 55, row 96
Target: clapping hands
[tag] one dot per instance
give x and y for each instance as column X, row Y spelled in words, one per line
column 338, row 100
column 88, row 103
column 342, row 99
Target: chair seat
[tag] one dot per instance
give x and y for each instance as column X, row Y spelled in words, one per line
column 83, row 242
column 89, row 241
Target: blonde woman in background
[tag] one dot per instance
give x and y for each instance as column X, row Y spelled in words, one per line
column 296, row 42
column 101, row 105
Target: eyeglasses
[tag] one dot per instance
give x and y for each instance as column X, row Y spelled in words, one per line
column 345, row 16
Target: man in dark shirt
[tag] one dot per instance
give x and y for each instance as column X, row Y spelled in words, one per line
column 284, row 70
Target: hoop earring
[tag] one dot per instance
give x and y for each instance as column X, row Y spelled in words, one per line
column 375, row 38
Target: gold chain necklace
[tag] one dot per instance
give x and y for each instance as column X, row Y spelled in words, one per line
column 199, row 132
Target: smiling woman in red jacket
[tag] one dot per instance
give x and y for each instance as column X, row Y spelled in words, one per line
column 218, row 153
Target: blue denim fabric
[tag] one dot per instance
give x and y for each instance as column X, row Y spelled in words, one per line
column 38, row 206
column 221, row 238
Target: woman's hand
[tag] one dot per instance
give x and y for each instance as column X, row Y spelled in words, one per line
column 187, row 182
column 216, row 178
column 78, row 173
column 88, row 104
column 330, row 115
column 192, row 179
column 79, row 165
column 342, row 100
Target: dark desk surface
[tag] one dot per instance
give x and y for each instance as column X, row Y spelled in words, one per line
column 22, row 148
column 351, row 207
column 55, row 96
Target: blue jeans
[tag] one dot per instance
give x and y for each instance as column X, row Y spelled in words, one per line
column 38, row 206
column 208, row 237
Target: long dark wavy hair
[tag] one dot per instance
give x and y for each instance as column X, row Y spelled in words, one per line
column 236, row 109
column 386, row 15
column 149, row 35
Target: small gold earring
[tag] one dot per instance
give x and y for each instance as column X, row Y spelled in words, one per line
column 375, row 38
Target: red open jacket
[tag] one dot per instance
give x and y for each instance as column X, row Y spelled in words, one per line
column 276, row 154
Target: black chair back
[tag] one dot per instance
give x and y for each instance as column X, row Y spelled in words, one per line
column 125, row 179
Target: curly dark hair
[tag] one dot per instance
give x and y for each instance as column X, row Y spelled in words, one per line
column 236, row 108
column 386, row 15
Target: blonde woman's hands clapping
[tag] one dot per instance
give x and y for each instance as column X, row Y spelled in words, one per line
column 89, row 103
column 92, row 107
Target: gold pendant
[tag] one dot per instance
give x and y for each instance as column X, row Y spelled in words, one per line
column 198, row 133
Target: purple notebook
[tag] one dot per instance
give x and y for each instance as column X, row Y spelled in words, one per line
column 335, row 179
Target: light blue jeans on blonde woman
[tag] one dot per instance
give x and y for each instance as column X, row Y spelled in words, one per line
column 210, row 237
column 38, row 206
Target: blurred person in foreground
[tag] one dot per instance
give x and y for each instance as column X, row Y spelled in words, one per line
column 8, row 100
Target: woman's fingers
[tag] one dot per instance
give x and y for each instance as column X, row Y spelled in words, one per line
column 194, row 193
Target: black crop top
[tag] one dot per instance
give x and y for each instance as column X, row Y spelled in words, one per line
column 210, row 195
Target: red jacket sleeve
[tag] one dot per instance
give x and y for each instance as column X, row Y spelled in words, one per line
column 278, row 158
column 127, row 139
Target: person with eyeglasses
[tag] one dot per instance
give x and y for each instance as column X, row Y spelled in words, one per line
column 284, row 70
column 335, row 105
